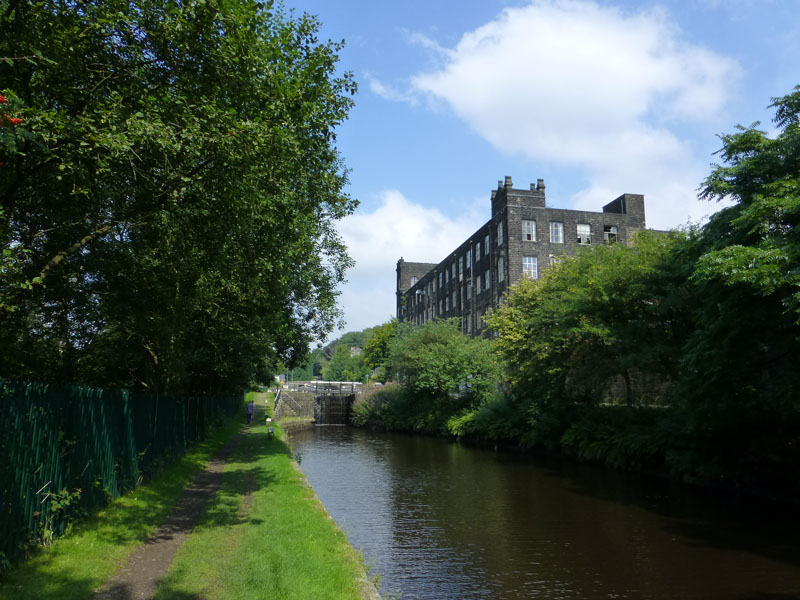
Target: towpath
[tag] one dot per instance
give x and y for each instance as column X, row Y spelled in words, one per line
column 139, row 576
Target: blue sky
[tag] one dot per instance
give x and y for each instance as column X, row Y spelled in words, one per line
column 597, row 98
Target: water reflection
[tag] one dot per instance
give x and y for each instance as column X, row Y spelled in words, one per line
column 439, row 520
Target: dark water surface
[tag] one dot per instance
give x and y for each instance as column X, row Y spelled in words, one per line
column 443, row 521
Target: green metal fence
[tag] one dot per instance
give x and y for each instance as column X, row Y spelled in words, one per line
column 55, row 441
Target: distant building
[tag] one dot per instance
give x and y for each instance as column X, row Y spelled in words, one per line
column 522, row 238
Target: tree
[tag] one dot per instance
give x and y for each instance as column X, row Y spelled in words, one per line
column 739, row 385
column 170, row 216
column 445, row 376
column 376, row 347
column 610, row 314
column 756, row 243
column 439, row 363
column 747, row 269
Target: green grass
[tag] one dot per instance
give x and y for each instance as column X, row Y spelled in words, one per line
column 79, row 562
column 265, row 535
column 284, row 420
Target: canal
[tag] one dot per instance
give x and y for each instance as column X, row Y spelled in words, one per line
column 445, row 521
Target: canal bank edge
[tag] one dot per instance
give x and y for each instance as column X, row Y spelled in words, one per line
column 296, row 424
column 366, row 586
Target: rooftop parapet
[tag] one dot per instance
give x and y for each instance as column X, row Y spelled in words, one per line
column 506, row 194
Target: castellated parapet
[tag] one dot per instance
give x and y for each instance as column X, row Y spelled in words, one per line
column 522, row 238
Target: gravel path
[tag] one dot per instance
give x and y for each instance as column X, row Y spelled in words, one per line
column 138, row 578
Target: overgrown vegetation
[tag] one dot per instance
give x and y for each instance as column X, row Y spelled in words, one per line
column 444, row 374
column 677, row 353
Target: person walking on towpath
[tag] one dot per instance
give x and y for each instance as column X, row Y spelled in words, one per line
column 250, row 408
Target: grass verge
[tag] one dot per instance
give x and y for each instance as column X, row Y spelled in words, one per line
column 81, row 561
column 265, row 535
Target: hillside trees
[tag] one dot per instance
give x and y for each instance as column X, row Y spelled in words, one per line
column 345, row 365
column 168, row 207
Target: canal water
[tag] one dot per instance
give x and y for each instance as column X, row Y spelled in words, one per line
column 439, row 520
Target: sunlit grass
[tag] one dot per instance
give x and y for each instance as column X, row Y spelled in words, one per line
column 80, row 562
column 265, row 535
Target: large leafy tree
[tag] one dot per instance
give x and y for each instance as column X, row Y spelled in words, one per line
column 755, row 243
column 169, row 200
column 604, row 324
column 376, row 347
column 748, row 266
column 440, row 364
column 740, row 369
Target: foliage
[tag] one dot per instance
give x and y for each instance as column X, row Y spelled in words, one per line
column 437, row 361
column 498, row 418
column 345, row 365
column 389, row 407
column 61, row 503
column 169, row 198
column 334, row 364
column 442, row 373
column 739, row 387
column 756, row 243
column 612, row 313
column 376, row 348
column 620, row 437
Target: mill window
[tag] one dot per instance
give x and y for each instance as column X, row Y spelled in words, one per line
column 556, row 232
column 584, row 233
column 529, row 231
column 530, row 266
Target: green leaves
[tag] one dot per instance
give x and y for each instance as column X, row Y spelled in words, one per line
column 760, row 268
column 439, row 362
column 175, row 195
column 593, row 320
column 756, row 242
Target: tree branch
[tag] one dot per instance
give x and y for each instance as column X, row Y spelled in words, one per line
column 61, row 256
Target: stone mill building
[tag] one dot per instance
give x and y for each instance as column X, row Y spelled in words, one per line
column 522, row 238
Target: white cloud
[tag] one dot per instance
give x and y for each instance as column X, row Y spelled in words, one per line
column 389, row 92
column 377, row 240
column 590, row 86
